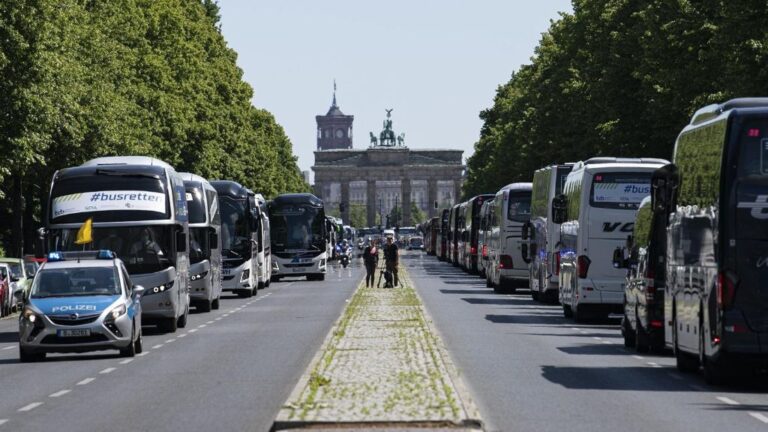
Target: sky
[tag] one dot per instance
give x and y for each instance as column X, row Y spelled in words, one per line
column 437, row 63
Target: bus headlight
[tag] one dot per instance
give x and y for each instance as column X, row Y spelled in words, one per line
column 199, row 276
column 159, row 288
column 246, row 275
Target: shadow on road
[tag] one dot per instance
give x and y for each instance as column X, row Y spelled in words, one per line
column 9, row 337
column 477, row 291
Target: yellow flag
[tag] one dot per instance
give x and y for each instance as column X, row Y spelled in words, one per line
column 84, row 233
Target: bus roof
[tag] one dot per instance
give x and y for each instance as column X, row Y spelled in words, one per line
column 230, row 188
column 517, row 187
column 298, row 198
column 90, row 170
column 127, row 160
column 711, row 111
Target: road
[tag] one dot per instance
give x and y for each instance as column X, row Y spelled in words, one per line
column 529, row 369
column 229, row 369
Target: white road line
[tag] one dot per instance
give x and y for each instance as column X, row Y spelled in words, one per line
column 225, row 315
column 192, row 331
column 170, row 340
column 86, row 381
column 108, row 370
column 142, row 354
column 126, row 361
column 652, row 364
column 756, row 415
column 597, row 338
column 59, row 393
column 30, row 407
column 727, row 401
column 209, row 322
column 575, row 329
column 182, row 335
column 607, row 342
column 638, row 357
column 158, row 346
column 3, row 421
column 217, row 319
column 201, row 325
column 9, row 347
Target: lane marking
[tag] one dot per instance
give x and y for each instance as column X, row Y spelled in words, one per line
column 170, row 340
column 9, row 347
column 192, row 331
column 59, row 393
column 727, row 401
column 126, row 361
column 108, row 370
column 607, row 342
column 209, row 322
column 217, row 319
column 142, row 354
column 182, row 335
column 225, row 315
column 638, row 357
column 576, row 328
column 653, row 364
column 30, row 407
column 756, row 415
column 158, row 346
column 86, row 381
column 201, row 326
column 3, row 421
column 597, row 338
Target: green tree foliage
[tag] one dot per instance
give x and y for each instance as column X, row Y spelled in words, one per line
column 417, row 215
column 618, row 78
column 358, row 216
column 83, row 79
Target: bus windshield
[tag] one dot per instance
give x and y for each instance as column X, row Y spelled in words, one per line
column 620, row 190
column 109, row 197
column 519, row 207
column 195, row 205
column 297, row 227
column 144, row 249
column 199, row 247
column 235, row 232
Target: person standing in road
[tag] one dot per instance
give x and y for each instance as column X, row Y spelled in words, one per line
column 371, row 261
column 391, row 258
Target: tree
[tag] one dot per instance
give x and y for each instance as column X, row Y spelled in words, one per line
column 417, row 216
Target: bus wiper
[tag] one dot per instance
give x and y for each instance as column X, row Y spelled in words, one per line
column 230, row 251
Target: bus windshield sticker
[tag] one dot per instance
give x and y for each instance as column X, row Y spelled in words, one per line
column 108, row 201
column 621, row 192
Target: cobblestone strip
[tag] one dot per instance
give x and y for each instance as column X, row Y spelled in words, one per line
column 382, row 364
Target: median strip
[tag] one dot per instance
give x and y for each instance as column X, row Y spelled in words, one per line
column 382, row 365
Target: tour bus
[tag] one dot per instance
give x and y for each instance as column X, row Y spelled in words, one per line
column 239, row 237
column 644, row 257
column 461, row 234
column 299, row 236
column 453, row 236
column 597, row 212
column 544, row 233
column 433, row 234
column 443, row 241
column 205, row 262
column 139, row 210
column 264, row 247
column 511, row 211
column 717, row 248
column 483, row 236
column 472, row 230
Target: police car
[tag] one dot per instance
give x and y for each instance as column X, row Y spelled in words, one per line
column 81, row 301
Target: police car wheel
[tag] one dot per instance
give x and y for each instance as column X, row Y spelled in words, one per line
column 25, row 356
column 129, row 351
column 139, row 344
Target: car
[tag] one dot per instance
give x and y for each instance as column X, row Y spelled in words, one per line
column 21, row 279
column 79, row 302
column 416, row 243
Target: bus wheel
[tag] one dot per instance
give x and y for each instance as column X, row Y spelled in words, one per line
column 567, row 312
column 643, row 342
column 215, row 303
column 626, row 331
column 183, row 319
column 168, row 325
column 685, row 362
column 205, row 306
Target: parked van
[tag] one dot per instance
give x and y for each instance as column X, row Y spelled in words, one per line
column 544, row 233
column 512, row 209
column 597, row 212
column 717, row 244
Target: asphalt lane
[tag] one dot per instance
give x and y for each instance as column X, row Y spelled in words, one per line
column 530, row 369
column 229, row 369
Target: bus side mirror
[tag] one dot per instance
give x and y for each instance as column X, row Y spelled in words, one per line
column 559, row 209
column 526, row 234
column 181, row 240
column 664, row 187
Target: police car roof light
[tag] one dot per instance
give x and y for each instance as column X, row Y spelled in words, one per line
column 103, row 254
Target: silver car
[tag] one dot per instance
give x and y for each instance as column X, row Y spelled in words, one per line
column 81, row 301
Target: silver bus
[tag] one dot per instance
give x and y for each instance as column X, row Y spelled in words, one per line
column 264, row 247
column 239, row 237
column 139, row 210
column 204, row 242
column 299, row 236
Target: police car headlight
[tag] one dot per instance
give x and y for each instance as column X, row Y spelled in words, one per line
column 117, row 312
column 199, row 276
column 30, row 315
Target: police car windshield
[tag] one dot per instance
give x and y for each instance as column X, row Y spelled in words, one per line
column 71, row 282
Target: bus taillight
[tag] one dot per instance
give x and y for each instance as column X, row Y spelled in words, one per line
column 726, row 290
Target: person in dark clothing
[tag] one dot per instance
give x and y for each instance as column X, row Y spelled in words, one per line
column 392, row 258
column 371, row 260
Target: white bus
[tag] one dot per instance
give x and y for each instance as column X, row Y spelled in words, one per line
column 239, row 237
column 597, row 212
column 264, row 256
column 205, row 262
column 544, row 234
column 506, row 268
column 299, row 236
column 139, row 210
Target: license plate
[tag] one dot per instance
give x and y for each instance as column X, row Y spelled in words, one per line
column 298, row 270
column 73, row 333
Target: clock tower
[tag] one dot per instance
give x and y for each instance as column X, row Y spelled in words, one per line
column 334, row 130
